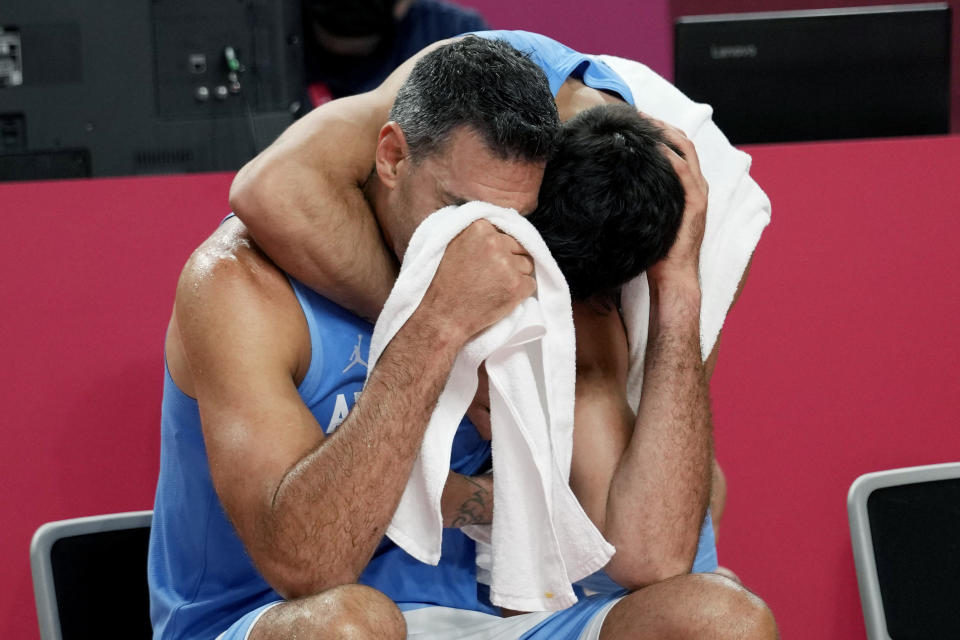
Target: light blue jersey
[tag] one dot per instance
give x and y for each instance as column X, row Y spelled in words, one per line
column 559, row 62
column 201, row 578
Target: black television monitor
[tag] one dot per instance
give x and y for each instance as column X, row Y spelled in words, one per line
column 819, row 74
column 121, row 87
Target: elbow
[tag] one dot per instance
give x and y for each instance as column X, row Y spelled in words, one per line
column 297, row 581
column 291, row 587
column 635, row 571
column 294, row 575
column 250, row 191
column 242, row 188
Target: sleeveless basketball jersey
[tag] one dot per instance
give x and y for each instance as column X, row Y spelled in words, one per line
column 201, row 578
column 559, row 62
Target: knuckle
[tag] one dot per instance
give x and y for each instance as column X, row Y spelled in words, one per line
column 476, row 229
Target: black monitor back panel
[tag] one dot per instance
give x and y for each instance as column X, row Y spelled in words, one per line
column 86, row 567
column 121, row 87
column 916, row 541
column 818, row 75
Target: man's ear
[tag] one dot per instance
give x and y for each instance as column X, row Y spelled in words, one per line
column 391, row 151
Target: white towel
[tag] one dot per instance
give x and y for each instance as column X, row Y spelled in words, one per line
column 737, row 212
column 542, row 540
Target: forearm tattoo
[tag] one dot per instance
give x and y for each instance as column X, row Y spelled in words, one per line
column 475, row 509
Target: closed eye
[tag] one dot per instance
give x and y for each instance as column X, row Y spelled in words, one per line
column 448, row 199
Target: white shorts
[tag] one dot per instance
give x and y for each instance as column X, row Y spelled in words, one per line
column 582, row 621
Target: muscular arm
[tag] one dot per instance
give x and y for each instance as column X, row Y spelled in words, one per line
column 646, row 480
column 302, row 199
column 605, row 424
column 309, row 509
column 651, row 487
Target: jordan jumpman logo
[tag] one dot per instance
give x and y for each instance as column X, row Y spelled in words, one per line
column 355, row 357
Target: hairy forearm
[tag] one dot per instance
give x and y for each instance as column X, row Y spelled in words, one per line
column 659, row 492
column 332, row 508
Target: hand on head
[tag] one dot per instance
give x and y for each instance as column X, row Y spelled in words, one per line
column 684, row 256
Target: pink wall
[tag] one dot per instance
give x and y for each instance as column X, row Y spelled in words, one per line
column 635, row 30
column 840, row 358
column 89, row 269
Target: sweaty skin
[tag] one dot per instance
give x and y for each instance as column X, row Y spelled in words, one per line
column 305, row 505
column 645, row 480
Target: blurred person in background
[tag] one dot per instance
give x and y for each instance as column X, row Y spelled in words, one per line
column 351, row 46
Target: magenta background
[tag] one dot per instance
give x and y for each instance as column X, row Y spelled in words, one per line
column 840, row 358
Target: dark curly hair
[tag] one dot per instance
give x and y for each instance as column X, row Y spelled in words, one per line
column 611, row 203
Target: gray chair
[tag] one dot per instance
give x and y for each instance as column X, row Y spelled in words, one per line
column 90, row 576
column 905, row 530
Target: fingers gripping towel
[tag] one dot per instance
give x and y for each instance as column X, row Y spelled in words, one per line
column 541, row 539
column 737, row 212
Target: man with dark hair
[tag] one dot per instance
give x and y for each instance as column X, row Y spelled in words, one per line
column 429, row 103
column 611, row 203
column 642, row 474
column 272, row 501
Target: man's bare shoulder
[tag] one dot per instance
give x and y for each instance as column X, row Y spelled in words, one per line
column 228, row 259
column 601, row 341
column 232, row 298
